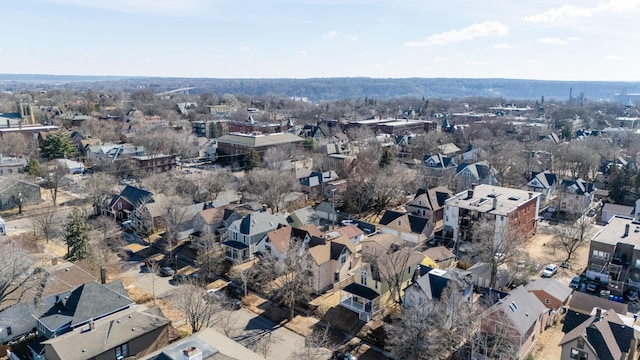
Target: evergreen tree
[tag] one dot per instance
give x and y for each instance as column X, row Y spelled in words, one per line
column 77, row 236
column 251, row 159
column 58, row 145
column 386, row 158
column 34, row 168
column 309, row 144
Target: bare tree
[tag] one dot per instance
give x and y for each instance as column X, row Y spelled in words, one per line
column 572, row 236
column 496, row 248
column 244, row 273
column 316, row 345
column 289, row 280
column 391, row 268
column 55, row 179
column 98, row 190
column 270, row 187
column 217, row 181
column 210, row 257
column 276, row 158
column 196, row 305
column 153, row 267
column 16, row 272
column 492, row 338
column 47, row 223
column 177, row 214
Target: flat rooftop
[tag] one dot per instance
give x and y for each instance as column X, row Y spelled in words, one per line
column 613, row 232
column 506, row 199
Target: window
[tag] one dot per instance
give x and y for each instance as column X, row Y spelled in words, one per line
column 336, row 276
column 9, row 332
column 597, row 254
column 119, row 206
column 409, row 270
column 343, row 258
column 267, row 248
column 577, row 354
column 349, row 265
column 580, row 344
column 122, row 351
column 363, row 277
column 547, row 301
column 375, row 285
column 638, row 264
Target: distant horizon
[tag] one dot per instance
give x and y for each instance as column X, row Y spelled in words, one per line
column 307, row 78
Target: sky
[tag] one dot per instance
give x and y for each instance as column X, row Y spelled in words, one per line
column 522, row 39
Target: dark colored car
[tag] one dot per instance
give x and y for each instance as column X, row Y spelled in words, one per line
column 343, row 356
column 166, row 271
column 575, row 282
column 180, row 278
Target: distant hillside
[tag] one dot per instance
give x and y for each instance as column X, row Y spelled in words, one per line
column 319, row 89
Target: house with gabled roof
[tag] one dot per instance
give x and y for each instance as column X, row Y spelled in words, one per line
column 304, row 216
column 214, row 220
column 352, row 232
column 551, row 292
column 442, row 256
column 520, row 317
column 243, row 235
column 605, row 335
column 429, row 204
column 582, row 306
column 449, row 149
column 131, row 333
column 409, row 228
column 544, row 183
column 477, row 173
column 333, row 261
column 122, row 205
column 573, row 196
column 440, row 165
column 429, row 284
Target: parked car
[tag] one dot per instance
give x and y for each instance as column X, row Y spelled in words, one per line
column 575, row 283
column 592, row 287
column 343, row 356
column 180, row 278
column 550, row 270
column 166, row 271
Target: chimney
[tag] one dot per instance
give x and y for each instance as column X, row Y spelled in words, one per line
column 470, row 193
column 626, row 229
column 598, row 313
column 530, row 195
column 191, row 353
column 92, row 325
column 103, row 275
column 495, row 203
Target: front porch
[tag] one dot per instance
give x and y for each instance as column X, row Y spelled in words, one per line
column 236, row 251
column 361, row 300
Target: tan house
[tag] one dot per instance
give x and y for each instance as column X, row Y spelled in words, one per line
column 333, row 261
column 520, row 316
column 409, row 228
column 429, row 204
column 551, row 292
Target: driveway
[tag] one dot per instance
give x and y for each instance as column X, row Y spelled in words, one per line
column 146, row 281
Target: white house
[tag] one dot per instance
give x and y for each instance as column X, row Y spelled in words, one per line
column 73, row 166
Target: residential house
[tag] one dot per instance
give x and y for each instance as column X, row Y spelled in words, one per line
column 573, row 196
column 154, row 216
column 477, row 173
column 73, row 166
column 383, row 258
column 304, row 216
column 314, row 183
column 481, row 275
column 72, row 310
column 582, row 306
column 551, row 292
column 244, row 234
column 333, row 261
column 122, row 205
column 15, row 191
column 605, row 335
column 353, row 233
column 153, row 164
column 409, row 228
column 326, row 210
column 610, row 210
column 277, row 242
column 16, row 313
column 127, row 334
column 214, row 221
column 506, row 210
column 10, row 165
column 614, row 256
column 440, row 165
column 108, row 153
column 449, row 149
column 544, row 183
column 442, row 256
column 429, row 284
column 429, row 204
column 520, row 316
column 206, row 344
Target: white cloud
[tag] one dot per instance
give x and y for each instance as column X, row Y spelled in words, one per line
column 440, row 58
column 340, row 35
column 487, row 28
column 478, row 63
column 301, row 53
column 504, row 45
column 569, row 12
column 609, row 58
column 245, row 48
column 557, row 41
